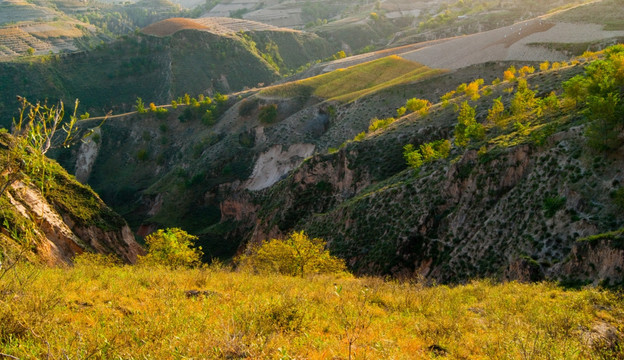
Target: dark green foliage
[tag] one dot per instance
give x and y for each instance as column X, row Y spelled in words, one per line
column 618, row 198
column 208, row 119
column 599, row 91
column 605, row 114
column 142, row 155
column 428, row 152
column 553, row 204
column 268, row 114
column 615, row 238
column 111, row 76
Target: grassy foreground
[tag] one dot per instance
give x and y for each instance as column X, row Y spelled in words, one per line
column 115, row 312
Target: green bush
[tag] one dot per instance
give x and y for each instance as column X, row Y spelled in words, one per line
column 427, row 152
column 172, row 247
column 268, row 114
column 553, row 204
column 142, row 155
column 418, row 105
column 298, row 255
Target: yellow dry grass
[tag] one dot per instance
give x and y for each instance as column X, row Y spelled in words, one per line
column 112, row 312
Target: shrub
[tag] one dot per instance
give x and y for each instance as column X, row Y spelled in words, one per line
column 208, row 119
column 142, row 155
column 495, row 113
column 553, row 204
column 268, row 114
column 473, row 89
column 360, row 136
column 171, row 247
column 380, row 124
column 467, row 127
column 418, row 105
column 298, row 255
column 427, row 152
column 401, row 111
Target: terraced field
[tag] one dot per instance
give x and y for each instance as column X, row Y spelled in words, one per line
column 356, row 81
column 14, row 41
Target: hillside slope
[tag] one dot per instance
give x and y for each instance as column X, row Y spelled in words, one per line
column 180, row 169
column 512, row 205
column 47, row 216
column 158, row 69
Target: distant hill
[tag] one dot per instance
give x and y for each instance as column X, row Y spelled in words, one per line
column 159, row 69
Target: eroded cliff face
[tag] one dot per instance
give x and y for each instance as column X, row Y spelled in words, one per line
column 58, row 236
column 87, row 154
column 49, row 215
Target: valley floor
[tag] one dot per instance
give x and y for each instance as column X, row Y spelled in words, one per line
column 102, row 311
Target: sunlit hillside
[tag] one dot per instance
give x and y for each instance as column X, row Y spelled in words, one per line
column 356, row 81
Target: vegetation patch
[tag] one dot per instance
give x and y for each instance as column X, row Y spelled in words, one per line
column 216, row 313
column 356, row 81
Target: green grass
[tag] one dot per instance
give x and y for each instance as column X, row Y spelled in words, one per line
column 356, row 81
column 110, row 312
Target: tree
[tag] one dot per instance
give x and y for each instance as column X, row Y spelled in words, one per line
column 268, row 114
column 524, row 100
column 446, row 97
column 465, row 121
column 172, row 247
column 140, row 106
column 472, row 89
column 401, row 111
column 526, row 70
column 495, row 113
column 605, row 126
column 296, row 255
column 508, row 75
column 418, row 105
column 35, row 132
column 427, row 152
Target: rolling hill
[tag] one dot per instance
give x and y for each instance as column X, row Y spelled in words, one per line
column 159, row 68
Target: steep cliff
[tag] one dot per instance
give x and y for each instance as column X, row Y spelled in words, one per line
column 47, row 215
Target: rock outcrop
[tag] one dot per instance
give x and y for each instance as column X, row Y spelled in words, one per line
column 57, row 218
